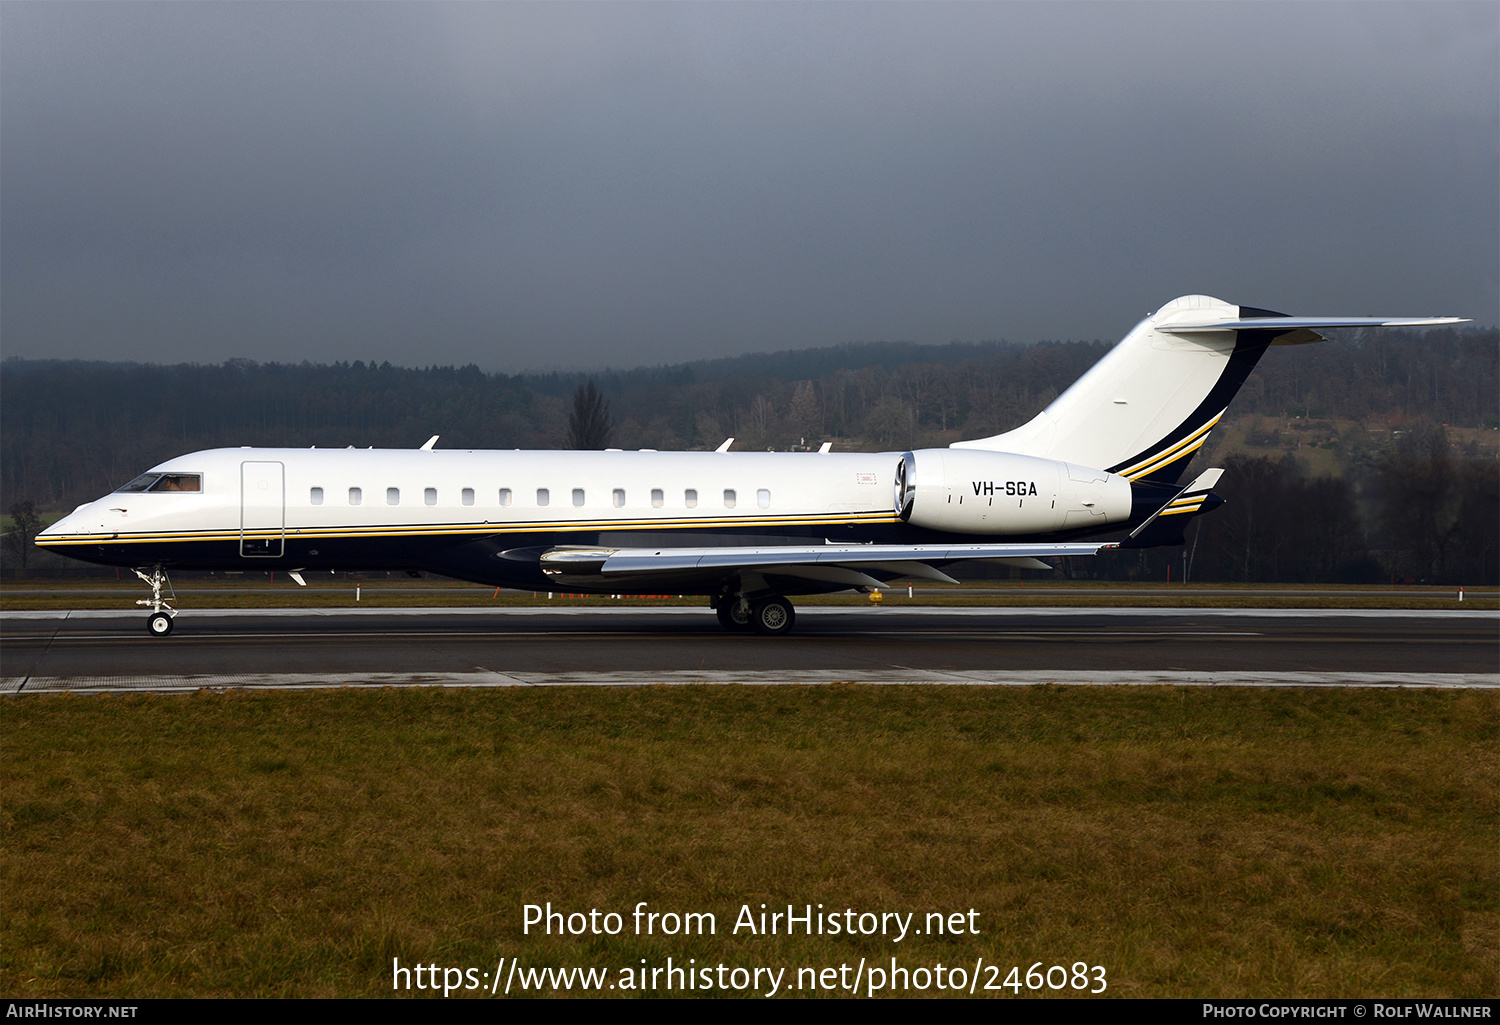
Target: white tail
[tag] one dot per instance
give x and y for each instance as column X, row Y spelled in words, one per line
column 1149, row 404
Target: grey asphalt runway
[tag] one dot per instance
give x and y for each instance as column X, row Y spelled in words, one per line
column 109, row 650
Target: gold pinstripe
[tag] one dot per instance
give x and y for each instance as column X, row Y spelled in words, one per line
column 1185, row 504
column 479, row 529
column 1186, row 446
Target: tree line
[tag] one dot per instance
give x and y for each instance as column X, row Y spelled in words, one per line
column 1422, row 514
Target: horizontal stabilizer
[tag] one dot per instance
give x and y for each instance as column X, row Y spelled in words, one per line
column 1312, row 323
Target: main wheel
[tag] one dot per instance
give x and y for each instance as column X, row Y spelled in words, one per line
column 731, row 616
column 160, row 624
column 772, row 616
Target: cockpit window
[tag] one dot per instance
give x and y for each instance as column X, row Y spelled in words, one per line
column 166, row 482
column 142, row 482
column 179, row 482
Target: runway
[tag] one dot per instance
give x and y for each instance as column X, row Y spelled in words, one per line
column 96, row 651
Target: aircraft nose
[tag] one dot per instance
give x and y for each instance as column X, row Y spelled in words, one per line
column 69, row 524
column 55, row 530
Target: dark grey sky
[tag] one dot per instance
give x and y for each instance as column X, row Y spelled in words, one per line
column 574, row 185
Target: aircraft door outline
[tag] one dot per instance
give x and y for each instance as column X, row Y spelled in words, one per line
column 262, row 509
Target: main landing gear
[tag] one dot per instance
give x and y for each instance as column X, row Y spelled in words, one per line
column 159, row 623
column 772, row 615
column 733, row 613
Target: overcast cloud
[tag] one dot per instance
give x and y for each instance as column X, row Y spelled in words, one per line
column 575, row 185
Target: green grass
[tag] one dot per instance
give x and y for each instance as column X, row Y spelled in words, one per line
column 8, row 522
column 1194, row 842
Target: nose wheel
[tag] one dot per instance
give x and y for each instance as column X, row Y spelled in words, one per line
column 159, row 623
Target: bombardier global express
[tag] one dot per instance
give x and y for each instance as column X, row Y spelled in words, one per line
column 1097, row 469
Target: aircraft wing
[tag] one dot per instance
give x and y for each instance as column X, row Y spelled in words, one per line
column 852, row 565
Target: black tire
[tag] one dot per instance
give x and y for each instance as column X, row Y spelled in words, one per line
column 159, row 624
column 772, row 616
column 730, row 617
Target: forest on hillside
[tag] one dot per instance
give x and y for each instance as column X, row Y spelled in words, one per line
column 1407, row 421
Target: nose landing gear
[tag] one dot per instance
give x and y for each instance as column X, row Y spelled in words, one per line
column 159, row 623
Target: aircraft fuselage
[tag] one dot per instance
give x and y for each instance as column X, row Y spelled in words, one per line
column 486, row 516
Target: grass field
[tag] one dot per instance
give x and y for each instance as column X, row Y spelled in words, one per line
column 1192, row 842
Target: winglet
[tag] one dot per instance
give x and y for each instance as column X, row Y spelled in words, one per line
column 430, row 442
column 1186, row 503
column 725, row 447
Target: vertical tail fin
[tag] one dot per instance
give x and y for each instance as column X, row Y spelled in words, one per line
column 1149, row 404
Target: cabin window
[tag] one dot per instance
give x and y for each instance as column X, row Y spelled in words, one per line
column 543, row 496
column 763, row 498
column 729, row 498
column 657, row 498
column 466, row 496
column 315, row 496
column 577, row 496
column 505, row 497
column 690, row 498
column 429, row 495
column 619, row 498
column 392, row 496
column 356, row 496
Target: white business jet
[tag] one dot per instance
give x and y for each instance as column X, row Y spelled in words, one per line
column 1097, row 469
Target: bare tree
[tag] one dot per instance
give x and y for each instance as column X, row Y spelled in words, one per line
column 589, row 425
column 804, row 415
column 25, row 524
column 1420, row 487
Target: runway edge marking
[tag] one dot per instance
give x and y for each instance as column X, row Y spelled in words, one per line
column 907, row 677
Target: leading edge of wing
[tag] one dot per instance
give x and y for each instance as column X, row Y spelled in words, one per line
column 655, row 560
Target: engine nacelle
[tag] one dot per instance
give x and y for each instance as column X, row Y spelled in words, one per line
column 970, row 491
